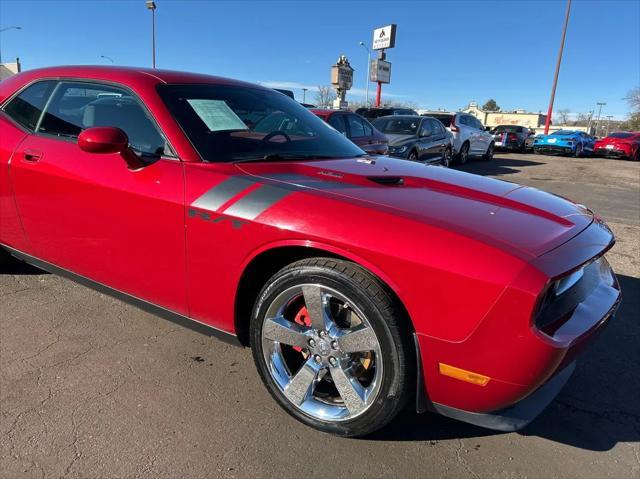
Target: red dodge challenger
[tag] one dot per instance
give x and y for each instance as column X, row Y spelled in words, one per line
column 362, row 283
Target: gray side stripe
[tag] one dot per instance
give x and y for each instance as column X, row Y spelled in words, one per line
column 222, row 192
column 250, row 206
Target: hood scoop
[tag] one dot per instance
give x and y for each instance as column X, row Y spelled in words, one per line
column 387, row 180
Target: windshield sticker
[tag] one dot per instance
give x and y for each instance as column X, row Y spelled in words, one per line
column 217, row 115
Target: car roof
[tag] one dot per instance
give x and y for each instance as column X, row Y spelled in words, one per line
column 117, row 74
column 402, row 116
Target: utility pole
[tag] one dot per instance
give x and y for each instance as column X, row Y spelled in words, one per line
column 151, row 5
column 600, row 104
column 608, row 122
column 4, row 30
column 589, row 123
column 304, row 95
column 555, row 77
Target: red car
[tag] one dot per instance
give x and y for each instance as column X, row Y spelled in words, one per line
column 357, row 129
column 362, row 284
column 621, row 144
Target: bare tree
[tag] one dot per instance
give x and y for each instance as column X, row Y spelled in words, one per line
column 325, row 96
column 633, row 98
column 563, row 116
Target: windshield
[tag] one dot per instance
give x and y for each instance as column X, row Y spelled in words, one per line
column 564, row 132
column 444, row 119
column 397, row 126
column 235, row 123
column 621, row 134
column 508, row 128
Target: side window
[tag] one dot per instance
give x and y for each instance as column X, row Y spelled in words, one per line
column 337, row 121
column 477, row 124
column 76, row 106
column 437, row 127
column 368, row 131
column 27, row 107
column 356, row 127
column 464, row 119
column 426, row 128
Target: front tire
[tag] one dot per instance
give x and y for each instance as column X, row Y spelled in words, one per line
column 463, row 155
column 447, row 158
column 488, row 156
column 329, row 344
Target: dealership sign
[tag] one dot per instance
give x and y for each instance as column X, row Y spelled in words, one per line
column 384, row 37
column 380, row 71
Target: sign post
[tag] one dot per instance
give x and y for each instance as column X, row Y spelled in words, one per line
column 383, row 38
column 342, row 81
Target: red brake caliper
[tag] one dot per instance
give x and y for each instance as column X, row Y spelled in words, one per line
column 303, row 319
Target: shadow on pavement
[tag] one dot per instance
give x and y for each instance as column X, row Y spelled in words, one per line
column 498, row 166
column 18, row 267
column 596, row 410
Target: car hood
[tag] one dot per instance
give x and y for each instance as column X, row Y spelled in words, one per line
column 398, row 140
column 559, row 137
column 521, row 219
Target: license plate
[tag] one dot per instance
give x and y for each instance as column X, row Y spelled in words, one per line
column 498, row 143
column 552, row 140
column 609, row 147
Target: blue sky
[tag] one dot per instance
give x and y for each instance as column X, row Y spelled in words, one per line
column 447, row 53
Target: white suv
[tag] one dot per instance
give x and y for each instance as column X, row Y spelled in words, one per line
column 469, row 136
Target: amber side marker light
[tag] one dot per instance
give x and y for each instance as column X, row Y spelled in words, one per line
column 463, row 375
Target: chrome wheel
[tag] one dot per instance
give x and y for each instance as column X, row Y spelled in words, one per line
column 322, row 352
column 446, row 158
column 464, row 153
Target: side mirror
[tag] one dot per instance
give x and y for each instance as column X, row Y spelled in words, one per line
column 109, row 140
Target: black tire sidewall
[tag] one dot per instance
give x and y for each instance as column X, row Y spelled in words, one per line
column 391, row 395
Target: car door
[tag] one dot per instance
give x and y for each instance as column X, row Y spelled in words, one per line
column 356, row 131
column 87, row 212
column 427, row 141
column 440, row 142
column 468, row 133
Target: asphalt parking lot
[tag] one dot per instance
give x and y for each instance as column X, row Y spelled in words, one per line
column 91, row 387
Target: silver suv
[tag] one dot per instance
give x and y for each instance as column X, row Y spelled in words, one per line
column 469, row 136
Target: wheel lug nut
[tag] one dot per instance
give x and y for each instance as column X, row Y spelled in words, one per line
column 332, row 361
column 317, row 359
column 334, row 344
column 312, row 343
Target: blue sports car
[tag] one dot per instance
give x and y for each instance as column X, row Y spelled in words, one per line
column 564, row 142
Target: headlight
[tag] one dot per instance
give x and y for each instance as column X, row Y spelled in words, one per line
column 398, row 149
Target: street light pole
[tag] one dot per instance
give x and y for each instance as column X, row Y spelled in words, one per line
column 304, row 95
column 4, row 30
column 608, row 121
column 151, row 5
column 600, row 104
column 368, row 72
column 547, row 123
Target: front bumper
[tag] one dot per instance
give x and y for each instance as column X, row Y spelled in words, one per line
column 507, row 348
column 517, row 416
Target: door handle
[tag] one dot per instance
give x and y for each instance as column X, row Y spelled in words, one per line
column 32, row 155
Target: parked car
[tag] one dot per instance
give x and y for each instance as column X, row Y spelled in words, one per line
column 357, row 129
column 528, row 143
column 620, row 144
column 470, row 137
column 373, row 113
column 564, row 142
column 359, row 282
column 417, row 138
column 511, row 137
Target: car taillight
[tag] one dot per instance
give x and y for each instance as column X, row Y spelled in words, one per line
column 453, row 126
